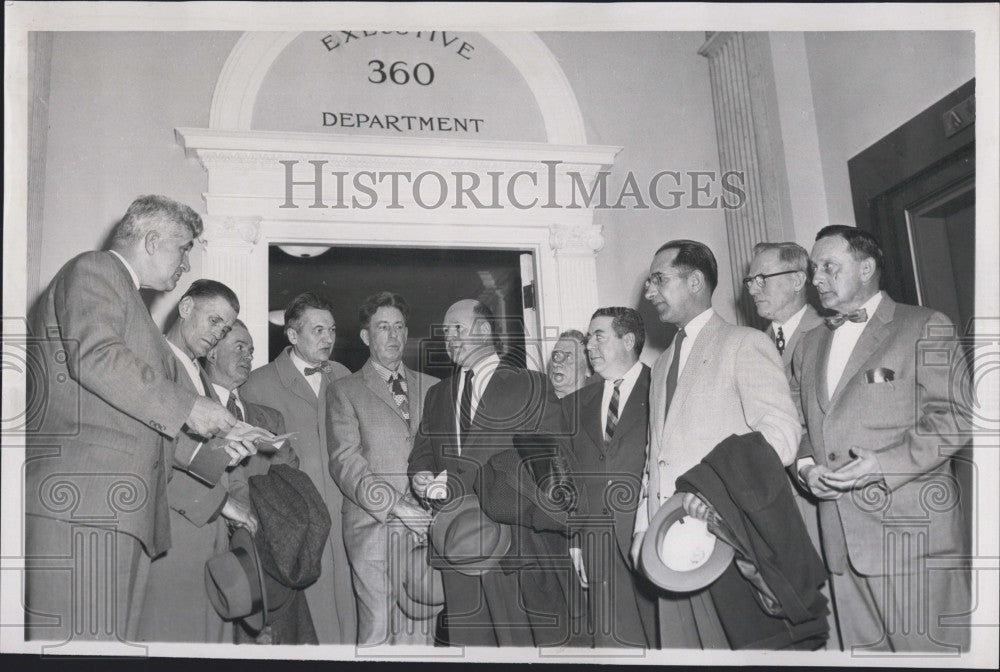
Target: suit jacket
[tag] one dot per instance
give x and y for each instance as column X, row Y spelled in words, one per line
column 110, row 403
column 732, row 383
column 810, row 320
column 280, row 386
column 369, row 442
column 258, row 464
column 609, row 477
column 909, row 421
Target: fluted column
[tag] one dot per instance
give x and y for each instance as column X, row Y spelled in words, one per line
column 749, row 137
column 575, row 249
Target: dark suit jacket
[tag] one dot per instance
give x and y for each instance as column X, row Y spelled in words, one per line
column 609, row 477
column 109, row 404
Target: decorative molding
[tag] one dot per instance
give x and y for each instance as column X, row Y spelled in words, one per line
column 227, row 230
column 568, row 239
column 250, row 60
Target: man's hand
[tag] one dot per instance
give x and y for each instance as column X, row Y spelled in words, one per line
column 237, row 513
column 210, row 418
column 576, row 555
column 416, row 519
column 812, row 476
column 856, row 474
column 695, row 506
column 238, row 450
column 636, row 548
column 420, row 481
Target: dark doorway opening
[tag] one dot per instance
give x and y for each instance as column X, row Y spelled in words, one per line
column 429, row 279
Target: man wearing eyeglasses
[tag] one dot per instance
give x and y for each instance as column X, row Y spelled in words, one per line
column 716, row 379
column 568, row 366
column 779, row 273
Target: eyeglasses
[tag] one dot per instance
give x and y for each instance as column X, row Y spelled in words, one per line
column 761, row 278
column 560, row 356
column 658, row 280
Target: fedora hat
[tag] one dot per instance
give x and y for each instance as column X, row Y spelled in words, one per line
column 465, row 539
column 234, row 581
column 419, row 591
column 679, row 553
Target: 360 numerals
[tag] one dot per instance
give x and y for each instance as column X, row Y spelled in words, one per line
column 422, row 73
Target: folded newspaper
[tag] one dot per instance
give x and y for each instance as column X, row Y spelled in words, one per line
column 264, row 440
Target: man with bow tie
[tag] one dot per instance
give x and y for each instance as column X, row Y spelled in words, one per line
column 372, row 417
column 876, row 390
column 295, row 385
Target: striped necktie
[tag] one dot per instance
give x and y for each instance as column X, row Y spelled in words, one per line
column 612, row 423
column 233, row 408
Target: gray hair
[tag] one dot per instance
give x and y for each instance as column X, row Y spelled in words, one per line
column 154, row 213
column 792, row 255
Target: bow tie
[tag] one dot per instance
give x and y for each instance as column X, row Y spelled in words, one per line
column 325, row 367
column 859, row 315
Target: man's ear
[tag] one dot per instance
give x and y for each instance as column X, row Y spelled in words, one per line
column 696, row 281
column 629, row 340
column 185, row 307
column 291, row 335
column 799, row 279
column 152, row 241
column 212, row 356
column 366, row 338
column 867, row 269
column 482, row 327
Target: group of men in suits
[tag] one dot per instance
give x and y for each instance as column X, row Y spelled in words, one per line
column 853, row 407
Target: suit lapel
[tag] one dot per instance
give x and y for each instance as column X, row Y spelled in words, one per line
column 634, row 411
column 697, row 359
column 294, row 381
column 590, row 412
column 874, row 333
column 415, row 396
column 822, row 395
column 380, row 389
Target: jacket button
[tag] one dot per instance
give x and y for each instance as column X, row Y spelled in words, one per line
column 601, row 458
column 181, row 511
column 832, row 457
column 663, row 463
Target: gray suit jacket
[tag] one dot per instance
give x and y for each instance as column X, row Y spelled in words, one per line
column 810, row 320
column 910, row 421
column 109, row 404
column 280, row 386
column 732, row 383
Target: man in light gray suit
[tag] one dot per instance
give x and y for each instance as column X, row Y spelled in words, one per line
column 113, row 408
column 294, row 384
column 372, row 417
column 716, row 379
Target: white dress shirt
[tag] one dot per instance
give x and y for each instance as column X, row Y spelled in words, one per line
column 845, row 337
column 223, row 395
column 624, row 390
column 192, row 368
column 482, row 373
column 790, row 325
column 315, row 380
column 691, row 331
column 128, row 267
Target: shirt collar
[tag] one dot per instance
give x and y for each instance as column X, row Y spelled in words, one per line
column 488, row 363
column 630, row 376
column 128, row 267
column 692, row 328
column 299, row 363
column 871, row 305
column 223, row 394
column 789, row 326
column 384, row 372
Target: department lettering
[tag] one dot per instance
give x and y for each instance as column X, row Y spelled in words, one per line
column 401, row 122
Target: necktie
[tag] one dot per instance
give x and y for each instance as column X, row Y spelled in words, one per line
column 325, row 367
column 233, row 408
column 612, row 423
column 399, row 394
column 779, row 341
column 859, row 315
column 675, row 364
column 465, row 406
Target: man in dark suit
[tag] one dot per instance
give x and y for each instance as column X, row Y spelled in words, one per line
column 295, row 384
column 113, row 408
column 880, row 406
column 609, row 452
column 372, row 417
column 467, row 419
column 177, row 605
